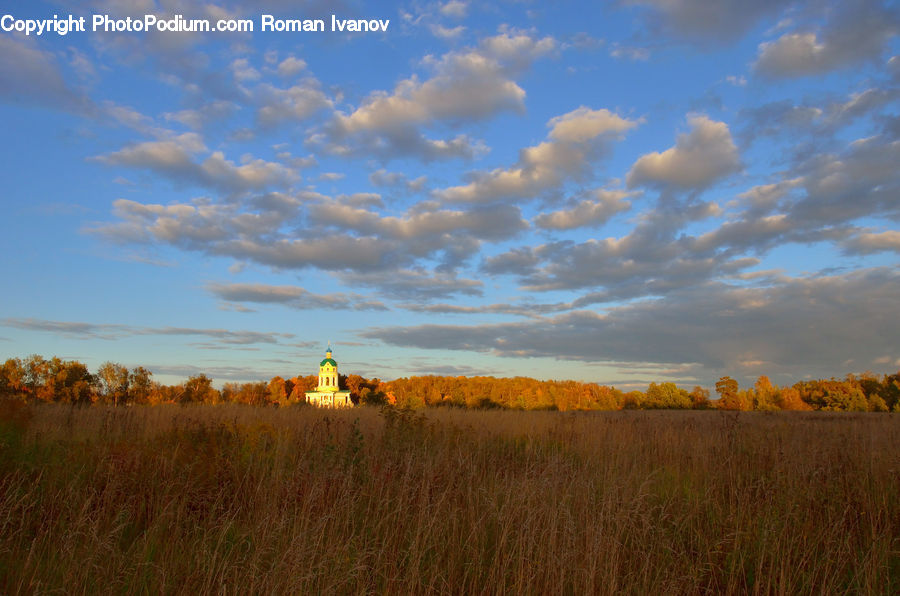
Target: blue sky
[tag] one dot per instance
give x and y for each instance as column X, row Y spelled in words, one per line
column 622, row 192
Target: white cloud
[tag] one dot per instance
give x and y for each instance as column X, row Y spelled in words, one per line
column 722, row 20
column 243, row 71
column 293, row 104
column 873, row 242
column 454, row 8
column 29, row 75
column 575, row 137
column 382, row 177
column 198, row 118
column 345, row 233
column 855, row 32
column 174, row 158
column 291, row 66
column 618, row 50
column 589, row 212
column 467, row 86
column 699, row 158
column 447, row 32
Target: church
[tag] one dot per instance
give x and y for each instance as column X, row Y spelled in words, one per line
column 329, row 394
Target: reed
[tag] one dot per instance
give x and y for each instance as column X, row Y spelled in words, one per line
column 232, row 499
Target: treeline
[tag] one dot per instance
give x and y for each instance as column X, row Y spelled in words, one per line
column 859, row 393
column 70, row 381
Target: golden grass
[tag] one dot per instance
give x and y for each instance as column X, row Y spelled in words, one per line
column 231, row 499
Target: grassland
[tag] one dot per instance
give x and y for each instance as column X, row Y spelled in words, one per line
column 231, row 499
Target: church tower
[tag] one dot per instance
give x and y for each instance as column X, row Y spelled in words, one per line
column 328, row 374
column 329, row 392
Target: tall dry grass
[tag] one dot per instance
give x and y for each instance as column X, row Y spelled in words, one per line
column 230, row 499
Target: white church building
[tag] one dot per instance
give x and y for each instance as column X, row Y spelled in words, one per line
column 329, row 394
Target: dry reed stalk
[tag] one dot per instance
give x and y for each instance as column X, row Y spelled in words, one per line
column 232, row 499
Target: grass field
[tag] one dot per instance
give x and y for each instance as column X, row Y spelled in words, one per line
column 231, row 499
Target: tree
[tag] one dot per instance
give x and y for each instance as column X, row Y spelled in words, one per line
column 765, row 394
column 633, row 400
column 68, row 382
column 727, row 388
column 699, row 398
column 141, row 385
column 12, row 377
column 277, row 392
column 667, row 395
column 115, row 381
column 844, row 398
column 789, row 399
column 199, row 389
column 36, row 371
column 890, row 391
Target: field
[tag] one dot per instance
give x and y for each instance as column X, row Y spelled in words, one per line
column 235, row 499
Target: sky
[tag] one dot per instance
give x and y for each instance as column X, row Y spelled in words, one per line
column 623, row 192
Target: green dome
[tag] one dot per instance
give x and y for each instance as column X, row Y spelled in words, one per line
column 328, row 361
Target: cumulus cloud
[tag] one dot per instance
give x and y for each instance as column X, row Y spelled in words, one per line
column 787, row 118
column 447, row 32
column 871, row 242
column 29, row 75
column 798, row 326
column 492, row 222
column 225, row 229
column 855, row 32
column 175, row 55
column 291, row 296
column 466, row 86
column 721, row 21
column 454, row 8
column 818, row 204
column 455, row 233
column 291, row 66
column 293, row 104
column 414, row 284
column 397, row 180
column 699, row 158
column 574, row 139
column 313, row 230
column 174, row 158
column 198, row 118
column 593, row 211
column 861, row 181
column 652, row 260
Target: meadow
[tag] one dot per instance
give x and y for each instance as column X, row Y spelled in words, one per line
column 233, row 499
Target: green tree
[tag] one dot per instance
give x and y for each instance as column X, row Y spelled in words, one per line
column 667, row 395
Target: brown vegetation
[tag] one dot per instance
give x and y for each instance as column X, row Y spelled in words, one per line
column 235, row 499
